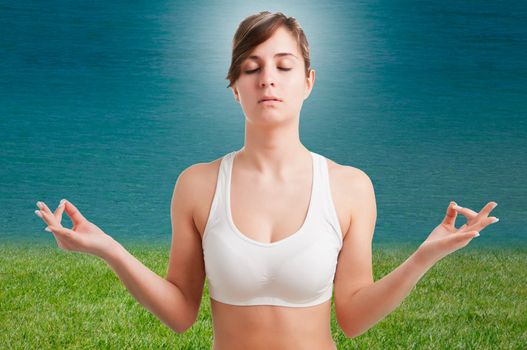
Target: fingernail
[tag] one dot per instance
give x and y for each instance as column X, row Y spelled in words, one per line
column 38, row 213
column 62, row 201
column 47, row 229
column 39, row 204
column 496, row 220
column 457, row 207
column 476, row 234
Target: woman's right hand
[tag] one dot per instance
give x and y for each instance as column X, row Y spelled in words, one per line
column 84, row 236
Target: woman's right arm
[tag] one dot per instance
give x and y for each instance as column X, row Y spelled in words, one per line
column 177, row 307
column 162, row 298
column 175, row 299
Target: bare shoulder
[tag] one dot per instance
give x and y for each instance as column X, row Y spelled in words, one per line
column 348, row 178
column 199, row 182
column 349, row 186
column 197, row 175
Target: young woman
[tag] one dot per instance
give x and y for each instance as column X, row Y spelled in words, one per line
column 273, row 226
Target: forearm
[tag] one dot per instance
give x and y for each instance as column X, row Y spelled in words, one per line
column 374, row 302
column 162, row 298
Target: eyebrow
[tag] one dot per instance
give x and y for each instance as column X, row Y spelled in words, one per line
column 280, row 54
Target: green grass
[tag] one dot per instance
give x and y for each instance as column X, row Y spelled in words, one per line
column 51, row 299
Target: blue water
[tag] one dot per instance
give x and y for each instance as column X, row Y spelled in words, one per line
column 105, row 103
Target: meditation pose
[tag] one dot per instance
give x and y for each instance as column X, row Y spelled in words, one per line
column 274, row 227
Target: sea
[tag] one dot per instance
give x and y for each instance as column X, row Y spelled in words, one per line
column 105, row 103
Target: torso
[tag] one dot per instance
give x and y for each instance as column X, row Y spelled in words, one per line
column 266, row 326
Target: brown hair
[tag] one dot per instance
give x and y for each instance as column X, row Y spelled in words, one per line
column 256, row 29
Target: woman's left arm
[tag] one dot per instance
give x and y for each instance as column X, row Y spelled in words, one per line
column 374, row 302
column 361, row 307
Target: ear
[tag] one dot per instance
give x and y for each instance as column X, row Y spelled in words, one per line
column 310, row 81
column 235, row 93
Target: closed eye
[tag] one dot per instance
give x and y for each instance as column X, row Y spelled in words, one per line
column 254, row 70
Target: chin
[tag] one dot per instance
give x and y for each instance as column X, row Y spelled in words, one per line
column 269, row 117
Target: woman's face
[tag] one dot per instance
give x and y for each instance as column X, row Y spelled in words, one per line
column 274, row 68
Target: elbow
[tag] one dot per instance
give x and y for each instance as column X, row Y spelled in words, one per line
column 183, row 319
column 350, row 330
column 179, row 330
column 182, row 327
column 354, row 334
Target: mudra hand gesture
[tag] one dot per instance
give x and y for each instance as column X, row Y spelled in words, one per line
column 84, row 236
column 446, row 238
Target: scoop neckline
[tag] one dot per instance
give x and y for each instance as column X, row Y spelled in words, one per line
column 290, row 236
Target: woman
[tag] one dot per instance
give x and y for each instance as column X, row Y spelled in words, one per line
column 273, row 226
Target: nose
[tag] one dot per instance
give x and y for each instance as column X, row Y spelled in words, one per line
column 267, row 79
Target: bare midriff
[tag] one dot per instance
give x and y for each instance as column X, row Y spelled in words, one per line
column 271, row 327
column 268, row 326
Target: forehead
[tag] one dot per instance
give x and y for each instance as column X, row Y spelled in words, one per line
column 281, row 44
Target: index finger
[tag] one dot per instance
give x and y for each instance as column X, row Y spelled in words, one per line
column 451, row 214
column 45, row 211
column 58, row 212
column 467, row 212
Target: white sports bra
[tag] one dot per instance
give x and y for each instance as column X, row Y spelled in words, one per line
column 296, row 271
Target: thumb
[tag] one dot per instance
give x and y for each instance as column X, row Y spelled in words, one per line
column 464, row 226
column 73, row 213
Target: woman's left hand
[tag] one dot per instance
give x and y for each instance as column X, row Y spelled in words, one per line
column 446, row 238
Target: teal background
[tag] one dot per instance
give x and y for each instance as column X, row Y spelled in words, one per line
column 105, row 103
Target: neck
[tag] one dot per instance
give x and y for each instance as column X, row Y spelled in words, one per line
column 275, row 151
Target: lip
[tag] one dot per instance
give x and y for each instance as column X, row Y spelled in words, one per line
column 269, row 99
column 269, row 102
